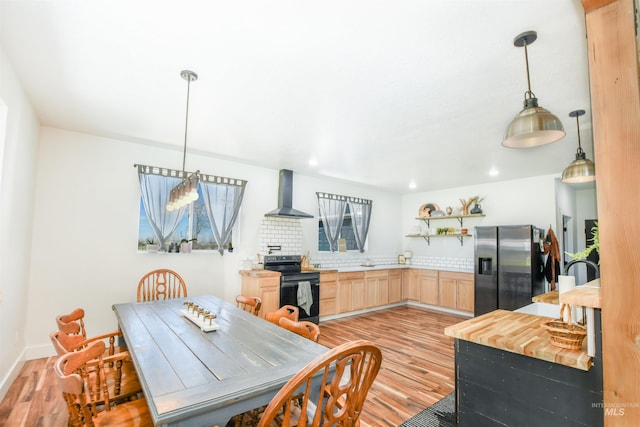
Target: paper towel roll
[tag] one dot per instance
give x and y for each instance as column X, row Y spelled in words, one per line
column 566, row 283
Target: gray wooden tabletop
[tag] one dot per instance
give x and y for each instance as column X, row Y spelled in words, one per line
column 196, row 378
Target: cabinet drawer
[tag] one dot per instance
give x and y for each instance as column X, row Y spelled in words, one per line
column 456, row 275
column 328, row 307
column 429, row 273
column 328, row 290
column 376, row 273
column 351, row 275
column 329, row 276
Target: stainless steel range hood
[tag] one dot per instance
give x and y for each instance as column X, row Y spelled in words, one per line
column 285, row 198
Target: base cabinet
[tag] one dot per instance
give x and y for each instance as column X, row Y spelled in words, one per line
column 456, row 290
column 429, row 287
column 395, row 286
column 266, row 287
column 350, row 295
column 328, row 293
column 376, row 288
column 410, row 289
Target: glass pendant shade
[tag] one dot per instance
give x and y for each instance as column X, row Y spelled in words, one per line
column 581, row 169
column 534, row 125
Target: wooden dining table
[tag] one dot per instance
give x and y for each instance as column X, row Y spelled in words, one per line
column 195, row 378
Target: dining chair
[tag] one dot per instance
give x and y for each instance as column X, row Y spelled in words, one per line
column 303, row 328
column 249, row 304
column 122, row 379
column 161, row 284
column 84, row 397
column 73, row 324
column 289, row 311
column 340, row 396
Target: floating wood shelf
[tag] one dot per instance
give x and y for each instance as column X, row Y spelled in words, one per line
column 460, row 218
column 428, row 237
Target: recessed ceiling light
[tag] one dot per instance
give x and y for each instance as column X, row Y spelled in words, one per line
column 494, row 172
column 412, row 184
column 313, row 162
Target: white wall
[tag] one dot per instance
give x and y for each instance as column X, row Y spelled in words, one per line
column 18, row 169
column 522, row 201
column 86, row 221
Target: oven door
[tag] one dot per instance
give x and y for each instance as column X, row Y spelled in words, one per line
column 290, row 294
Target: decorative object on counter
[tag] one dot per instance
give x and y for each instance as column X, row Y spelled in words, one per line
column 186, row 191
column 174, row 247
column 402, row 259
column 449, row 210
column 407, row 256
column 342, row 245
column 581, row 169
column 534, row 125
column 464, row 231
column 565, row 334
column 426, row 210
column 230, row 247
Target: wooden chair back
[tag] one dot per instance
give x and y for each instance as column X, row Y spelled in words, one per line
column 341, row 395
column 289, row 311
column 161, row 284
column 249, row 304
column 306, row 329
column 88, row 401
column 72, row 323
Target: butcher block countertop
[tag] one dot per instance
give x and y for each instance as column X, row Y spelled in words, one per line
column 548, row 298
column 519, row 333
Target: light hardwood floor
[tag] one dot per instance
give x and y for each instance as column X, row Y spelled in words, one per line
column 417, row 369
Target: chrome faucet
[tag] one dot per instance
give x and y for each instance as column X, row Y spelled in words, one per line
column 585, row 261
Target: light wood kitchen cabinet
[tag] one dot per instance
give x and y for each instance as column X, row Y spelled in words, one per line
column 456, row 290
column 328, row 292
column 395, row 286
column 350, row 291
column 265, row 285
column 376, row 288
column 410, row 288
column 429, row 287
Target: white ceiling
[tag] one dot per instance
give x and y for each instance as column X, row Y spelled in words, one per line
column 380, row 92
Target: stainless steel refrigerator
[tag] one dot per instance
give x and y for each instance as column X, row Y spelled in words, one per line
column 509, row 267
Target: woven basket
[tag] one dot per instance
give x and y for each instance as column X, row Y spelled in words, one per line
column 565, row 335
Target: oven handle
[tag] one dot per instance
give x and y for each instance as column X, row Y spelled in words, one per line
column 292, row 284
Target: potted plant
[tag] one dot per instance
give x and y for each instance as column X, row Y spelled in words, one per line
column 594, row 246
column 185, row 245
column 152, row 246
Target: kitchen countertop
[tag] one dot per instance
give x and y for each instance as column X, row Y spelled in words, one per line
column 519, row 333
column 382, row 267
column 260, row 273
column 548, row 298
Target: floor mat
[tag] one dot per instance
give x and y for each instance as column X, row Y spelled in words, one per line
column 440, row 414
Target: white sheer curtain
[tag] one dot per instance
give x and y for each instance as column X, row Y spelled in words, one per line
column 332, row 210
column 222, row 199
column 360, row 218
column 155, row 186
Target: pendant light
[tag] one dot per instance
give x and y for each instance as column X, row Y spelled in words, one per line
column 534, row 125
column 581, row 169
column 187, row 190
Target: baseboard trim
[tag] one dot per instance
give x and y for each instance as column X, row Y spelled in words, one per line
column 11, row 376
column 383, row 307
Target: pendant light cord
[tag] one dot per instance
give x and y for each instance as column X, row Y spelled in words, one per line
column 578, row 127
column 186, row 125
column 526, row 61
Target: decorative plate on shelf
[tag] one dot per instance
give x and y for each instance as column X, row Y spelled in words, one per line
column 426, row 209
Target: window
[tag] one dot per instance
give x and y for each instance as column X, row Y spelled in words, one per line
column 207, row 222
column 346, row 232
column 194, row 225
